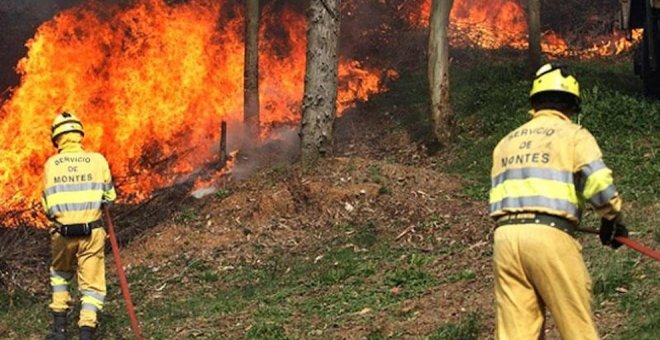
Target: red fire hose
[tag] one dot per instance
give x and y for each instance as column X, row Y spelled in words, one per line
column 652, row 253
column 120, row 273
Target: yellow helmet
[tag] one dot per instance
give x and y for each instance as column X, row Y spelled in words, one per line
column 65, row 122
column 555, row 77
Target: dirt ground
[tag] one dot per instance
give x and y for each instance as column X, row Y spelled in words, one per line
column 380, row 177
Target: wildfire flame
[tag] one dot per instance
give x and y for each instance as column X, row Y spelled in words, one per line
column 151, row 83
column 493, row 24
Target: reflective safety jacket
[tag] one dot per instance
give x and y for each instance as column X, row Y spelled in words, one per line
column 553, row 166
column 76, row 183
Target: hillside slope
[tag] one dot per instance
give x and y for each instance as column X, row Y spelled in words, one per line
column 389, row 239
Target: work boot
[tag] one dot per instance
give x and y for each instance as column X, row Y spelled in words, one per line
column 59, row 327
column 86, row 332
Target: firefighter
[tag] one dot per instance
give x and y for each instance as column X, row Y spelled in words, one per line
column 77, row 184
column 543, row 174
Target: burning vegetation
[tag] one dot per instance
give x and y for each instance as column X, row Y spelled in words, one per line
column 152, row 81
column 493, row 24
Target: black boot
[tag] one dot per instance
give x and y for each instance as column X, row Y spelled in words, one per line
column 59, row 327
column 86, row 332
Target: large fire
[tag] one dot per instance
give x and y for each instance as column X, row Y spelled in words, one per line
column 151, row 83
column 493, row 24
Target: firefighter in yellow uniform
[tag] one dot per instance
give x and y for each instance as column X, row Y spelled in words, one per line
column 543, row 173
column 77, row 184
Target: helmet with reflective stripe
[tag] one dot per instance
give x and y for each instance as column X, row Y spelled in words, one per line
column 65, row 122
column 556, row 78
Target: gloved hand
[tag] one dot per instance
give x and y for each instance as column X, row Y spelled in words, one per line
column 609, row 229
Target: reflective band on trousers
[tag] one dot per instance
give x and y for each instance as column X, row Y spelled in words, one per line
column 541, row 173
column 59, row 281
column 64, row 275
column 535, row 201
column 77, row 187
column 92, row 301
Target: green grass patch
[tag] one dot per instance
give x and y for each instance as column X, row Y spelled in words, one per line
column 222, row 194
column 283, row 296
column 628, row 280
column 466, row 329
column 492, row 99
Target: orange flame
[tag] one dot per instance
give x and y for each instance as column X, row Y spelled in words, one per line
column 493, row 24
column 151, row 83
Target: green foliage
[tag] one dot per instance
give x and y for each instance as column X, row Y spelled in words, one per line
column 222, row 193
column 187, row 215
column 374, row 172
column 19, row 299
column 467, row 329
column 467, row 274
column 209, row 276
column 644, row 323
column 614, row 274
column 266, row 331
column 410, row 273
column 365, row 235
column 407, row 277
column 351, row 166
column 384, row 190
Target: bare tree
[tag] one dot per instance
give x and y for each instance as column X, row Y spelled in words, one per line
column 320, row 98
column 534, row 24
column 251, row 71
column 438, row 72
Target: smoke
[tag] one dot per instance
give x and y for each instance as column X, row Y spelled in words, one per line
column 19, row 20
column 280, row 149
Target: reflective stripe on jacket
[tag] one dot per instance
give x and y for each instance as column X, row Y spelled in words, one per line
column 76, row 183
column 553, row 166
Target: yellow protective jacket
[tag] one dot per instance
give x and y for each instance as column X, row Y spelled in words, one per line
column 77, row 182
column 553, row 166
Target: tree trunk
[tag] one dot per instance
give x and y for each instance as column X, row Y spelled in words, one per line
column 534, row 24
column 251, row 71
column 320, row 98
column 438, row 72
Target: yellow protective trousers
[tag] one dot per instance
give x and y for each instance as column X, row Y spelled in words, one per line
column 538, row 266
column 87, row 253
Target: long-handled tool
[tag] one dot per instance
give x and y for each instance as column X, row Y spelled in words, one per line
column 120, row 273
column 652, row 253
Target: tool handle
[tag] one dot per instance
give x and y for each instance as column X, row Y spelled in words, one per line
column 652, row 253
column 123, row 283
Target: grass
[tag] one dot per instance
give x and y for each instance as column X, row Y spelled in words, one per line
column 466, row 329
column 328, row 284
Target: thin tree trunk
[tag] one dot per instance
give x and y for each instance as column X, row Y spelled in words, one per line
column 251, row 71
column 442, row 113
column 534, row 24
column 320, row 98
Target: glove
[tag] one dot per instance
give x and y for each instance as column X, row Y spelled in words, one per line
column 609, row 229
